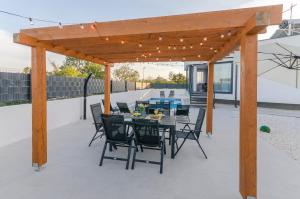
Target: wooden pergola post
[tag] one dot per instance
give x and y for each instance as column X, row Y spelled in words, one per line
column 107, row 89
column 39, row 106
column 248, row 116
column 210, row 98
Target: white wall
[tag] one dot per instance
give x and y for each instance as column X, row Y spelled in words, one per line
column 15, row 121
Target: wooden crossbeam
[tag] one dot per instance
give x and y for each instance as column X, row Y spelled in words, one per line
column 254, row 25
column 189, row 22
column 24, row 39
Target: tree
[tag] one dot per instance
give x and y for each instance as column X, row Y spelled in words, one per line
column 178, row 78
column 74, row 67
column 27, row 70
column 127, row 74
column 160, row 80
column 68, row 71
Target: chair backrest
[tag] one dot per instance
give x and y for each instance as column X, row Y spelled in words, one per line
column 162, row 94
column 172, row 93
column 96, row 113
column 199, row 122
column 183, row 110
column 123, row 107
column 165, row 105
column 104, row 105
column 146, row 132
column 114, row 127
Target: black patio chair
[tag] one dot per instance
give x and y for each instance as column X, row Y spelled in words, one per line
column 112, row 109
column 162, row 94
column 96, row 113
column 116, row 135
column 172, row 93
column 148, row 137
column 123, row 107
column 164, row 106
column 182, row 110
column 192, row 134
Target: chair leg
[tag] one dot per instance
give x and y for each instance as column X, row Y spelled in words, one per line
column 162, row 158
column 165, row 151
column 129, row 153
column 92, row 140
column 142, row 150
column 103, row 153
column 201, row 148
column 182, row 143
column 134, row 141
column 133, row 158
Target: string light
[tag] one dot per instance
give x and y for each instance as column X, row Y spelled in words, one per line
column 159, row 38
column 183, row 47
column 81, row 26
column 201, row 44
column 159, row 51
column 140, row 45
column 205, row 39
column 181, row 40
column 157, row 59
column 30, row 21
column 106, row 38
column 222, row 36
column 174, row 48
column 169, row 47
column 170, row 59
column 199, row 56
column 93, row 26
column 216, row 51
column 157, row 48
column 122, row 42
column 60, row 25
column 229, row 33
column 191, row 47
column 150, row 54
column 183, row 58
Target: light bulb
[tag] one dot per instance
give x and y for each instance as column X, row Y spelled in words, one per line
column 81, row 26
column 205, row 39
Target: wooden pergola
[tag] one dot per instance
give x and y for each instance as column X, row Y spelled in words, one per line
column 208, row 36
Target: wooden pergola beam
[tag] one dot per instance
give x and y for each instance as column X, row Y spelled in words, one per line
column 24, row 39
column 256, row 24
column 189, row 22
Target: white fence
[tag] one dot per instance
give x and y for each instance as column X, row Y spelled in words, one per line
column 16, row 123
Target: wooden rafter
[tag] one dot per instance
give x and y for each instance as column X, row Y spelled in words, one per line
column 24, row 39
column 257, row 23
column 128, row 40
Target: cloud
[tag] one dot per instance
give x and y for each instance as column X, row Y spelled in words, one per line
column 14, row 57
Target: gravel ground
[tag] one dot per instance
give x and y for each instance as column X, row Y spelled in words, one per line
column 285, row 132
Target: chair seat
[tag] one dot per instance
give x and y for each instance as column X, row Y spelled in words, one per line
column 180, row 134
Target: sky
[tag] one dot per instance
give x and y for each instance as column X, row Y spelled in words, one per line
column 14, row 57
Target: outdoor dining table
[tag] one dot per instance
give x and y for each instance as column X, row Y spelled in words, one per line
column 166, row 122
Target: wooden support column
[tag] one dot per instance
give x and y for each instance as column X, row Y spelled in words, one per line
column 248, row 116
column 107, row 89
column 39, row 106
column 210, row 98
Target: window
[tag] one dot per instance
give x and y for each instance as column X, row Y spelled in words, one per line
column 223, row 77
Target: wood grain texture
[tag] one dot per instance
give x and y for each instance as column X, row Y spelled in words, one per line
column 210, row 97
column 191, row 37
column 248, row 116
column 39, row 106
column 107, row 89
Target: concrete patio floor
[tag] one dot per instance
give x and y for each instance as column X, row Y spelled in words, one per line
column 72, row 171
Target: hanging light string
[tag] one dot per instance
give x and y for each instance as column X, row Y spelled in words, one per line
column 32, row 19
